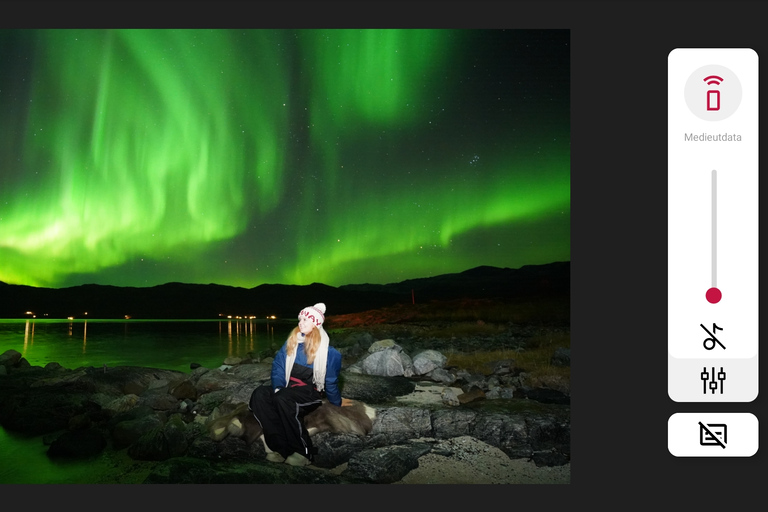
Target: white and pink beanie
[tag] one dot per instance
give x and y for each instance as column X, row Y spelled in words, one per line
column 315, row 313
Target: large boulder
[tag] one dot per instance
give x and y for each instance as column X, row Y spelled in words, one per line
column 386, row 358
column 78, row 444
column 10, row 358
column 335, row 449
column 448, row 423
column 387, row 363
column 385, row 465
column 43, row 410
column 395, row 425
column 127, row 432
column 427, row 361
column 504, row 431
column 374, row 389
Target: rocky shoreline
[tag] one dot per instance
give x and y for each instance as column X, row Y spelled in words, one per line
column 180, row 427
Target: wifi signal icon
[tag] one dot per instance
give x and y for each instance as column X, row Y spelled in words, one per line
column 713, row 96
column 714, row 80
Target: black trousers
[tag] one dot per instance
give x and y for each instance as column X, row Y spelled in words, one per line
column 281, row 414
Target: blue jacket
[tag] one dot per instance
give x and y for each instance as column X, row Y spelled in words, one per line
column 333, row 368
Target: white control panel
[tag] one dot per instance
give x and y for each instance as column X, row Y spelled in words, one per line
column 712, row 212
column 712, row 253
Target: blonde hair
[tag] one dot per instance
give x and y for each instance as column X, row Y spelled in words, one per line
column 311, row 343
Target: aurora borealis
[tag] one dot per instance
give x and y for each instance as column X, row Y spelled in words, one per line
column 137, row 157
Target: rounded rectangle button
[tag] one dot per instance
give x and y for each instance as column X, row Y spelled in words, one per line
column 712, row 434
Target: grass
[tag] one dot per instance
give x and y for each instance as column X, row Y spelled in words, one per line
column 535, row 359
column 535, row 311
column 461, row 329
column 482, row 317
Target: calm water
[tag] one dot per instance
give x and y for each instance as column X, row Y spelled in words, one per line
column 168, row 344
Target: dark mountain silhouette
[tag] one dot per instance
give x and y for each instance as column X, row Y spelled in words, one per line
column 180, row 300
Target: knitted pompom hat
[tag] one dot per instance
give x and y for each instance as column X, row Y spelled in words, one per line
column 314, row 313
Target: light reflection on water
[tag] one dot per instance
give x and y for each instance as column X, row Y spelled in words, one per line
column 168, row 344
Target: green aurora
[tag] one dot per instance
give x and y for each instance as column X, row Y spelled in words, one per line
column 136, row 157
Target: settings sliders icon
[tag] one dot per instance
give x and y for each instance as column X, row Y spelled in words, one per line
column 713, row 380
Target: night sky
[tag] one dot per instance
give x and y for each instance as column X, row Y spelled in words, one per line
column 137, row 157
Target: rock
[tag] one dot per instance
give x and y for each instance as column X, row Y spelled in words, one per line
column 427, row 361
column 450, row 396
column 546, row 396
column 394, row 425
column 151, row 445
column 441, row 375
column 496, row 392
column 139, row 411
column 387, row 344
column 253, row 372
column 473, row 380
column 80, row 422
column 198, row 372
column 427, row 393
column 373, row 388
column 207, row 402
column 175, row 433
column 501, row 367
column 471, row 396
column 336, row 449
column 77, row 444
column 42, row 410
column 122, row 404
column 355, row 338
column 159, row 400
column 184, row 389
column 63, row 379
column 507, row 432
column 241, row 393
column 190, row 470
column 450, row 423
column 10, row 358
column 550, row 433
column 387, row 362
column 550, row 458
column 178, row 420
column 230, row 448
column 216, row 380
column 125, row 380
column 561, row 357
column 128, row 432
column 385, row 465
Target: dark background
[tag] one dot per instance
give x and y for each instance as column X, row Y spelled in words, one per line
column 620, row 405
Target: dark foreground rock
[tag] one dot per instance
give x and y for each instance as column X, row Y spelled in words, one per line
column 196, row 427
column 192, row 470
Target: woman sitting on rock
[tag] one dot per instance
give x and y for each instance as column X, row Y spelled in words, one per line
column 304, row 368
